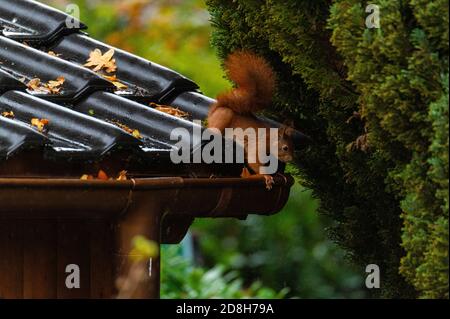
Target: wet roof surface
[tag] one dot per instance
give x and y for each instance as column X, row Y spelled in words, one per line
column 82, row 115
column 87, row 117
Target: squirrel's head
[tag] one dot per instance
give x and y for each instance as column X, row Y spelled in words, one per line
column 285, row 143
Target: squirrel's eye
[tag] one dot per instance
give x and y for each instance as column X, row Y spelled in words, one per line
column 285, row 148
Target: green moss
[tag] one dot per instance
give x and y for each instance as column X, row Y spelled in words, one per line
column 387, row 198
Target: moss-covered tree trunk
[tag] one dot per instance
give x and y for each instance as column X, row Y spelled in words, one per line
column 375, row 100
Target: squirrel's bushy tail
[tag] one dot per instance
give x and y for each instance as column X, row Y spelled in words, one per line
column 255, row 83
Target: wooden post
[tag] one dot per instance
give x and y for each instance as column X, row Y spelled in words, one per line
column 40, row 258
column 140, row 280
column 38, row 255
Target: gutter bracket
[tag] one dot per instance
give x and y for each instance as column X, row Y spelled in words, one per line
column 224, row 201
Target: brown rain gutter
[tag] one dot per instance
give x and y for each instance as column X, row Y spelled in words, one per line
column 47, row 224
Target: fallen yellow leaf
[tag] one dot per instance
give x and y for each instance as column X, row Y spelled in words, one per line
column 53, row 53
column 8, row 114
column 52, row 87
column 39, row 123
column 170, row 110
column 124, row 127
column 55, row 86
column 102, row 61
column 119, row 85
column 122, row 176
column 102, row 175
column 136, row 134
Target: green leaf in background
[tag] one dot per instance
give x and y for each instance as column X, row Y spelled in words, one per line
column 143, row 249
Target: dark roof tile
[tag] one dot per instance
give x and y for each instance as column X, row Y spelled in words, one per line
column 32, row 21
column 196, row 104
column 23, row 61
column 147, row 80
column 15, row 136
column 154, row 126
column 8, row 82
column 72, row 133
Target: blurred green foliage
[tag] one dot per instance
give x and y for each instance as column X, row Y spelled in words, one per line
column 289, row 249
column 180, row 280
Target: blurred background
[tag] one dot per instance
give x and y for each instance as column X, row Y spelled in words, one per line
column 283, row 256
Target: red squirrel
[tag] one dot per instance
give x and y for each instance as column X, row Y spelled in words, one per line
column 255, row 85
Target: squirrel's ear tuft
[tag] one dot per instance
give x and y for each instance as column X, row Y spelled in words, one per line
column 281, row 131
column 289, row 131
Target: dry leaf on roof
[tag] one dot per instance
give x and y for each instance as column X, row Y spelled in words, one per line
column 55, row 85
column 52, row 87
column 113, row 79
column 102, row 175
column 170, row 110
column 136, row 134
column 36, row 86
column 124, row 127
column 40, row 123
column 53, row 53
column 119, row 85
column 110, row 78
column 100, row 61
column 122, row 176
column 8, row 114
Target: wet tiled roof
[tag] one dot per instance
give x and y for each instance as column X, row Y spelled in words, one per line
column 82, row 115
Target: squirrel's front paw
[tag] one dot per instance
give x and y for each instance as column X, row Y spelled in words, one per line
column 269, row 182
column 269, row 179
